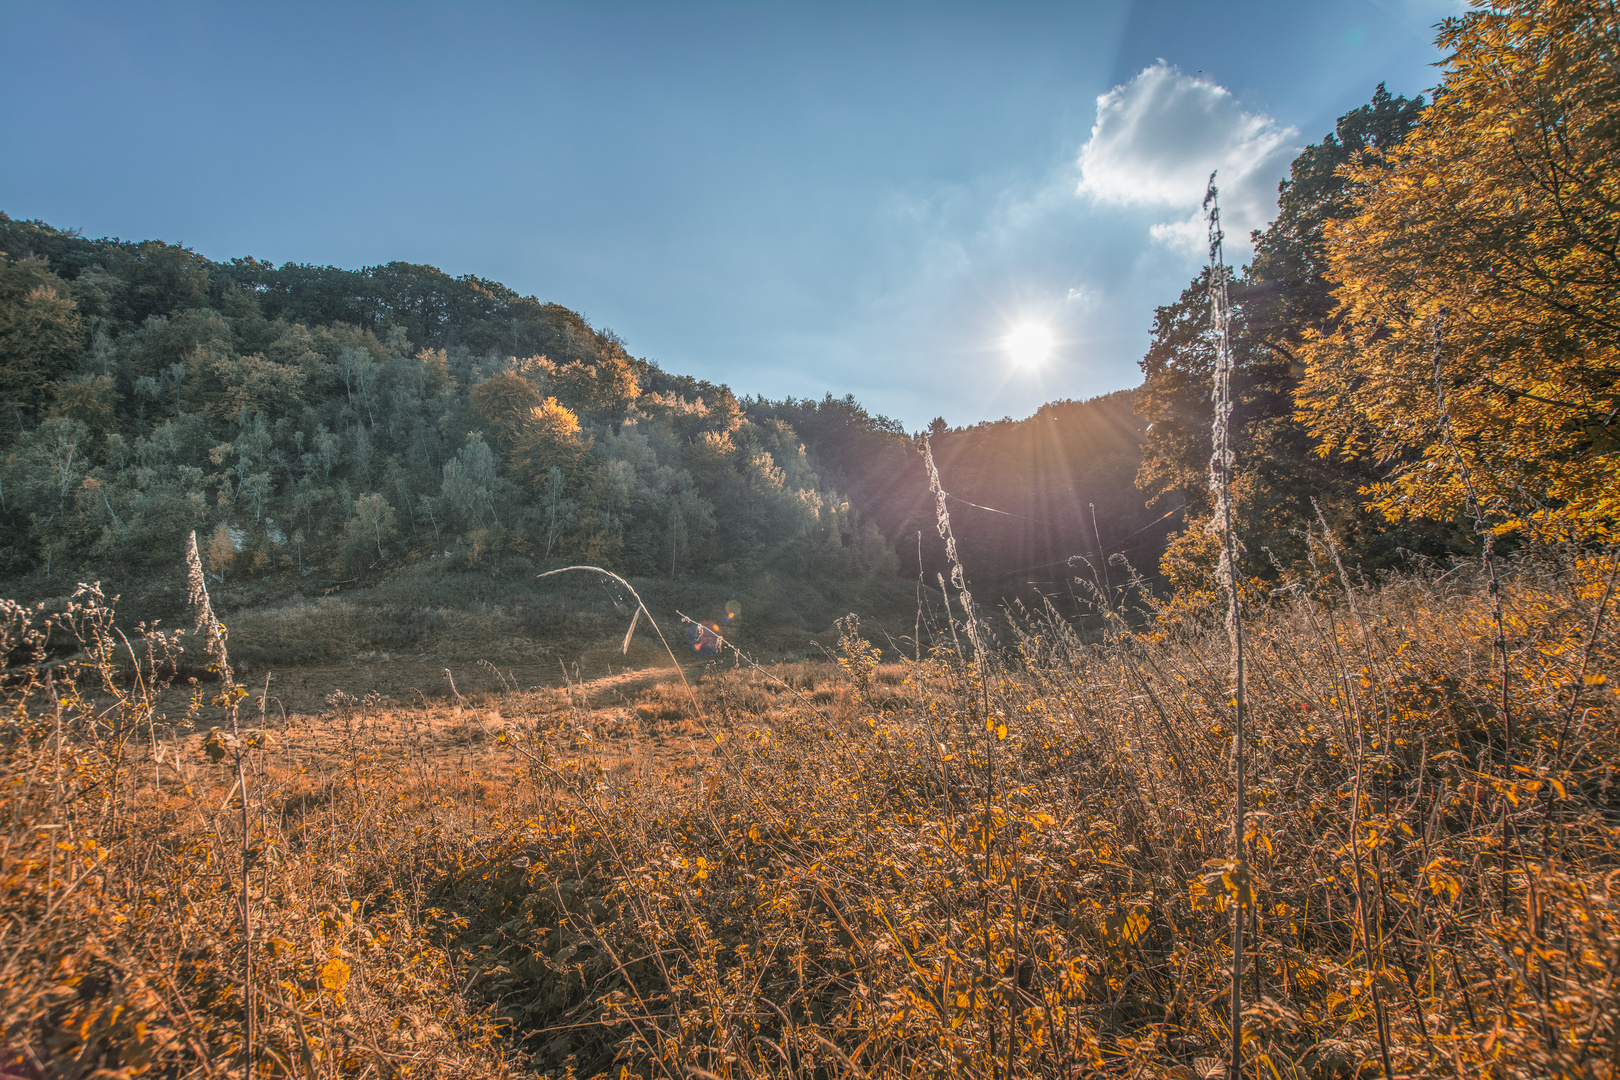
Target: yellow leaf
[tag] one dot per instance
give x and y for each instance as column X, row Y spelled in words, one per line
column 1001, row 732
column 334, row 975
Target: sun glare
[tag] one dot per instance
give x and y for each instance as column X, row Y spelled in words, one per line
column 1029, row 344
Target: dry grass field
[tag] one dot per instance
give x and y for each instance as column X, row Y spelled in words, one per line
column 1015, row 865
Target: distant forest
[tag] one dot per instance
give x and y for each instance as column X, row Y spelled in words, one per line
column 319, row 426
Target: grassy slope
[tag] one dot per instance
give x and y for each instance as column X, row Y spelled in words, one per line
column 503, row 626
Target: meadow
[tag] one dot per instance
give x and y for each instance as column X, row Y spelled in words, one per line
column 1334, row 796
column 896, row 861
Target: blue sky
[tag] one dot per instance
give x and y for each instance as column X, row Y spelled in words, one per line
column 790, row 198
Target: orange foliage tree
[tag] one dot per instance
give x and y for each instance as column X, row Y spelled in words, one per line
column 1497, row 220
column 504, row 401
column 603, row 390
column 550, row 438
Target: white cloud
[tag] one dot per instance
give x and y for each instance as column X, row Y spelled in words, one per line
column 1158, row 137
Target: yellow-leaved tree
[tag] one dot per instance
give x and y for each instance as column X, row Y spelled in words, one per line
column 551, row 438
column 1497, row 223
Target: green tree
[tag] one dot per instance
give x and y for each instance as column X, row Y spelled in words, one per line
column 255, row 384
column 373, row 522
column 41, row 336
column 90, row 399
column 603, row 390
column 690, row 518
column 469, row 484
column 255, row 491
column 505, row 402
column 558, row 509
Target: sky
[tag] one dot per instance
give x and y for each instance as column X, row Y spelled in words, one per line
column 793, row 199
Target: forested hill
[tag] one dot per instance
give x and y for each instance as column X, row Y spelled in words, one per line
column 326, row 424
column 1025, row 497
column 1042, row 502
column 320, row 426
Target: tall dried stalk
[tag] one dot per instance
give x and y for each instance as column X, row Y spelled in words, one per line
column 992, row 731
column 942, row 521
column 1220, row 483
column 1487, row 538
column 1375, row 955
column 214, row 641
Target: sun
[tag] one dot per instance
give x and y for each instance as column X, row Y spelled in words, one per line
column 1029, row 344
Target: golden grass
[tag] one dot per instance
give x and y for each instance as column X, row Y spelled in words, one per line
column 869, row 869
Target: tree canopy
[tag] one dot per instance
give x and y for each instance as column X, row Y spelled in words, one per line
column 322, row 421
column 1485, row 249
column 1278, row 302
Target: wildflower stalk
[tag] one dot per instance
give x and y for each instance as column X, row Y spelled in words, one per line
column 1487, row 537
column 1102, row 562
column 214, row 641
column 992, row 733
column 1220, row 483
column 916, row 632
column 942, row 521
column 1364, row 910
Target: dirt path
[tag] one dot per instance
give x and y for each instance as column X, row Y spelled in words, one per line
column 616, row 688
column 415, row 681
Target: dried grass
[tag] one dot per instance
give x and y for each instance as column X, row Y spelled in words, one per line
column 805, row 888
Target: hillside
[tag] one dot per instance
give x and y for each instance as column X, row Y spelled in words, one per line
column 324, row 424
column 396, row 429
column 1030, row 500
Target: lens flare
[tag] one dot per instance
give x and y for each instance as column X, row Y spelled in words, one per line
column 1029, row 344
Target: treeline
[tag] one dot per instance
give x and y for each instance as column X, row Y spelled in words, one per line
column 1034, row 503
column 1282, row 298
column 1427, row 342
column 321, row 424
column 316, row 422
column 1459, row 251
column 1045, row 509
